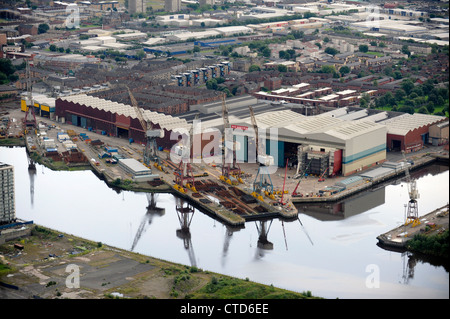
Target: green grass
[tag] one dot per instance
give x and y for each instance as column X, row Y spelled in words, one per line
column 378, row 54
column 233, row 288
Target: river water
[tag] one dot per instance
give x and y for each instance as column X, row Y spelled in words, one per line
column 330, row 251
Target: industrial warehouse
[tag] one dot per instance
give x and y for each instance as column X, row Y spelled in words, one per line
column 339, row 142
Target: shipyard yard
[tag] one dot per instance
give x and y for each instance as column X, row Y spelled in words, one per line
column 81, row 148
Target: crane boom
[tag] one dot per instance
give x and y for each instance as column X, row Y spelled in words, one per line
column 137, row 110
column 412, row 187
column 255, row 128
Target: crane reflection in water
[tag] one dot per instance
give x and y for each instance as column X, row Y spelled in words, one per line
column 152, row 211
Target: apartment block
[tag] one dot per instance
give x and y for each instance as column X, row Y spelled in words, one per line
column 7, row 197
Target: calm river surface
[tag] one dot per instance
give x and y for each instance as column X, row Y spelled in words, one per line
column 331, row 252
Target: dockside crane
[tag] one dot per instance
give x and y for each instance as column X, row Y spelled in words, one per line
column 151, row 134
column 303, row 174
column 321, row 178
column 184, row 170
column 29, row 123
column 262, row 181
column 231, row 172
column 412, row 215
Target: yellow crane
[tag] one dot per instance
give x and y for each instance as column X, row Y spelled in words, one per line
column 262, row 181
column 231, row 172
column 412, row 215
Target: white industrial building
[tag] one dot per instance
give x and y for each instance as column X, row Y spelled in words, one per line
column 229, row 31
column 342, row 146
column 193, row 35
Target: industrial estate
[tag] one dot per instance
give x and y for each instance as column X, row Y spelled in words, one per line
column 242, row 108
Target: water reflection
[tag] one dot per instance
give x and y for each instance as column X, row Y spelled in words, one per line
column 326, row 250
column 185, row 212
column 229, row 231
column 32, row 174
column 152, row 210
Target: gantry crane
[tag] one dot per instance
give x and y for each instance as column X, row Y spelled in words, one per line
column 150, row 150
column 412, row 215
column 184, row 170
column 29, row 123
column 231, row 172
column 264, row 183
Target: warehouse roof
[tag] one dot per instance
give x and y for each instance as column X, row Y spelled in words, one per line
column 403, row 124
column 276, row 118
column 167, row 122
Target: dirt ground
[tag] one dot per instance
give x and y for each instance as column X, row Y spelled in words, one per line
column 48, row 264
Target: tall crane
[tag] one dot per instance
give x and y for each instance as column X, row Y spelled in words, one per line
column 151, row 134
column 231, row 172
column 294, row 193
column 412, row 215
column 184, row 170
column 264, row 183
column 29, row 103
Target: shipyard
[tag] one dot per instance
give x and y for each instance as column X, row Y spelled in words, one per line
column 257, row 113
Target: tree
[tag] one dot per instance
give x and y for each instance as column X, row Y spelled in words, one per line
column 211, row 84
column 406, row 109
column 344, row 70
column 331, row 51
column 407, row 86
column 6, row 67
column 282, row 68
column 254, row 68
column 266, row 52
column 52, row 47
column 43, row 28
column 405, row 50
column 328, row 69
column 423, row 110
column 196, row 48
column 363, row 48
column 141, row 54
column 400, row 94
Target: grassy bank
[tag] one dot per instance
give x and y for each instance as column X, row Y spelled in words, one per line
column 46, row 253
column 434, row 245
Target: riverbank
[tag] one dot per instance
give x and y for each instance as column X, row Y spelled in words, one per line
column 45, row 263
column 433, row 223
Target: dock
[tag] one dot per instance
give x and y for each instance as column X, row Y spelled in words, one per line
column 365, row 184
column 233, row 204
column 432, row 223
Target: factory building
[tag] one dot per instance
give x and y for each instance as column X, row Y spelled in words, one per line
column 408, row 132
column 317, row 144
column 116, row 119
column 43, row 105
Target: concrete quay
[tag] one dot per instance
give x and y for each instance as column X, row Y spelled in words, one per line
column 435, row 221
